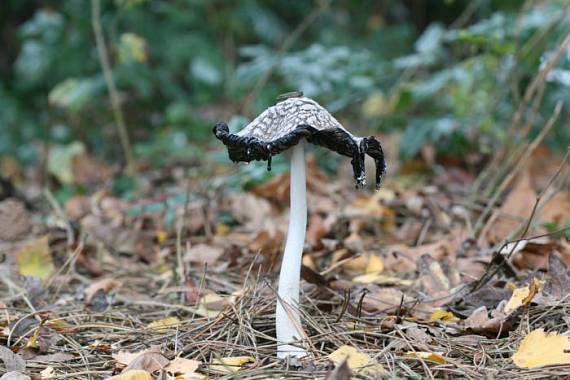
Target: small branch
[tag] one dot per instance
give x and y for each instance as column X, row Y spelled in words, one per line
column 111, row 86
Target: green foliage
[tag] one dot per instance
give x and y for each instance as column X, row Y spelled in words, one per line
column 181, row 65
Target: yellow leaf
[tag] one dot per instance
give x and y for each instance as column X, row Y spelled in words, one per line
column 182, row 366
column 380, row 279
column 374, row 265
column 161, row 236
column 431, row 356
column 33, row 341
column 539, row 349
column 523, row 296
column 133, row 374
column 442, row 315
column 34, row 259
column 231, row 364
column 355, row 359
column 164, row 324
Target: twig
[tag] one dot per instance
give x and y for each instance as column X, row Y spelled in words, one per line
column 111, row 86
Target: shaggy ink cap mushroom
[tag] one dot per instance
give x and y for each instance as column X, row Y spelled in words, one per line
column 283, row 125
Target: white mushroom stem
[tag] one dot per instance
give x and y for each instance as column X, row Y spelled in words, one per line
column 287, row 318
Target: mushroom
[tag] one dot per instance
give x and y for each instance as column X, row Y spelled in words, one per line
column 287, row 125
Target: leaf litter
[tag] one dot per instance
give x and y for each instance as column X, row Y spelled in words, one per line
column 394, row 282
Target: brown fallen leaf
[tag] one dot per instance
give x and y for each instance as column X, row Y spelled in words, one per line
column 203, row 254
column 341, row 372
column 12, row 361
column 148, row 361
column 105, row 285
column 15, row 375
column 384, row 300
column 557, row 284
column 434, row 281
column 514, row 211
column 15, row 221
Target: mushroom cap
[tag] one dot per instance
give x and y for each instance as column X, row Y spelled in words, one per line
column 283, row 125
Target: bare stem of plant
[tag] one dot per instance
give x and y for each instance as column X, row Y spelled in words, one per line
column 111, row 86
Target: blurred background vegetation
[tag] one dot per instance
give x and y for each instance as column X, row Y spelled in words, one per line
column 449, row 74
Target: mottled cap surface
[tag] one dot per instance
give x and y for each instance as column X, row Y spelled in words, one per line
column 283, row 125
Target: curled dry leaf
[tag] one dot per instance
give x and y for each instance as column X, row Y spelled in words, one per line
column 523, row 296
column 539, row 349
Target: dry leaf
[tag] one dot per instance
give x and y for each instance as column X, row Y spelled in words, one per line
column 15, row 375
column 384, row 300
column 341, row 372
column 431, row 356
column 516, row 209
column 125, row 358
column 442, row 315
column 34, row 259
column 48, row 373
column 106, row 285
column 231, row 364
column 523, row 296
column 14, row 220
column 203, row 254
column 164, row 324
column 133, row 374
column 539, row 349
column 12, row 361
column 355, row 359
column 182, row 366
column 148, row 361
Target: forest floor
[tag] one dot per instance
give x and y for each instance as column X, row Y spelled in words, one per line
column 415, row 280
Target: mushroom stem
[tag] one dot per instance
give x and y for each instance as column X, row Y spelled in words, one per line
column 287, row 317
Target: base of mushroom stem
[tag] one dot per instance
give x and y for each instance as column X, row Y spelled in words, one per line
column 285, row 351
